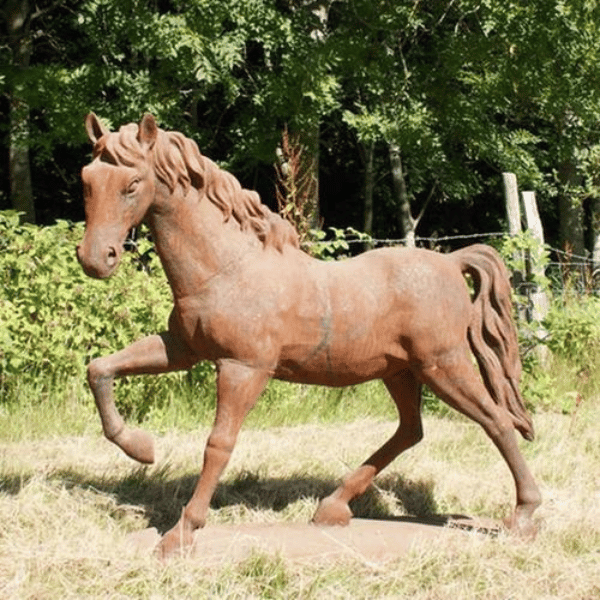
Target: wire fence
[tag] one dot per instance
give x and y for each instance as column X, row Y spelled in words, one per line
column 430, row 241
column 436, row 240
column 564, row 270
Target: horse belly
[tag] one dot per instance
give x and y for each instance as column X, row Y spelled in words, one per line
column 343, row 360
column 322, row 372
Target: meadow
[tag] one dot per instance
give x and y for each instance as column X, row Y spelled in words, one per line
column 69, row 501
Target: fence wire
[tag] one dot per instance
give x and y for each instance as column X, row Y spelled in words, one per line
column 564, row 269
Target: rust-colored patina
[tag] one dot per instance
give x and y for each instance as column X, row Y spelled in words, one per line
column 247, row 298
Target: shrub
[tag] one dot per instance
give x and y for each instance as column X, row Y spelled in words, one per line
column 575, row 330
column 54, row 319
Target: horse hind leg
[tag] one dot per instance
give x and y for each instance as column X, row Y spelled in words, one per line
column 406, row 393
column 455, row 380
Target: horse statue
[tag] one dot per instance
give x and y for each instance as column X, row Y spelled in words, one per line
column 246, row 297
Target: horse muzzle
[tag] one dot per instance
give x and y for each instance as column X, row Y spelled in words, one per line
column 98, row 262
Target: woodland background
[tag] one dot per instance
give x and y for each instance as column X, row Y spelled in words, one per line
column 400, row 115
column 396, row 118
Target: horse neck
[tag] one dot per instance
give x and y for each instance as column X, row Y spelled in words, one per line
column 193, row 241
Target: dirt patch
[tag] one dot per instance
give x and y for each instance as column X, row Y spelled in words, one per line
column 369, row 541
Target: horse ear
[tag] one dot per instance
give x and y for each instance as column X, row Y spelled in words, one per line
column 148, row 131
column 94, row 128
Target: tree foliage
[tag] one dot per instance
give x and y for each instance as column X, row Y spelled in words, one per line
column 461, row 91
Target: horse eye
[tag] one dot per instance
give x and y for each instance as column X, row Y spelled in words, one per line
column 133, row 185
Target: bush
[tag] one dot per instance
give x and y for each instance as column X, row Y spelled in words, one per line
column 574, row 327
column 571, row 372
column 54, row 319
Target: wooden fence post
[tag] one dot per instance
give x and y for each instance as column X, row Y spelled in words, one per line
column 513, row 213
column 537, row 296
column 534, row 224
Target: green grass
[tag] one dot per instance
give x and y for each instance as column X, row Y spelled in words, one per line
column 70, row 407
column 183, row 403
column 69, row 502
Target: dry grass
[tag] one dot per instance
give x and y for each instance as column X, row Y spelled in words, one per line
column 67, row 505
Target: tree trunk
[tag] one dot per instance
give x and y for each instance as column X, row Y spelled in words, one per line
column 571, row 224
column 369, row 152
column 21, row 194
column 310, row 134
column 309, row 139
column 407, row 222
column 570, row 210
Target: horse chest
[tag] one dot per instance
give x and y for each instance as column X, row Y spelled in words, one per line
column 220, row 330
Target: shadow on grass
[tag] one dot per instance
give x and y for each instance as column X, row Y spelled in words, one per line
column 161, row 494
column 13, row 484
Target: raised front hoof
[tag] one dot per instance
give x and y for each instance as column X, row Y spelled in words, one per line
column 137, row 444
column 176, row 542
column 332, row 512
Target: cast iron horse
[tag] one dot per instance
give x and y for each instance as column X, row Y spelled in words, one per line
column 246, row 297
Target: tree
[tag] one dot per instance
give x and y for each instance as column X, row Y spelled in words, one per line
column 441, row 97
column 456, row 90
column 538, row 71
column 98, row 58
column 42, row 96
column 17, row 17
column 288, row 82
column 397, row 100
column 230, row 74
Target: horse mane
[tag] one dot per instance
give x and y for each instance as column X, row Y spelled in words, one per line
column 178, row 161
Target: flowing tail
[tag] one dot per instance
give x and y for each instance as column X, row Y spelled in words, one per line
column 492, row 334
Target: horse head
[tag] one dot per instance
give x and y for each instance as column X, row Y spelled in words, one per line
column 118, row 187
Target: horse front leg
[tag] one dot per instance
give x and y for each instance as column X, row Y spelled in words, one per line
column 154, row 354
column 238, row 388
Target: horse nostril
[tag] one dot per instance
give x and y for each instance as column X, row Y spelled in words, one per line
column 111, row 256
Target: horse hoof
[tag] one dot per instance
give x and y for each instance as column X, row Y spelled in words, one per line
column 174, row 543
column 137, row 444
column 523, row 528
column 332, row 512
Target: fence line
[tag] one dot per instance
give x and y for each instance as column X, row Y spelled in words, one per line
column 445, row 238
column 583, row 272
column 402, row 241
column 584, row 260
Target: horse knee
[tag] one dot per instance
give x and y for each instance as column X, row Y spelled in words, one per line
column 498, row 424
column 410, row 435
column 416, row 435
column 221, row 443
column 98, row 371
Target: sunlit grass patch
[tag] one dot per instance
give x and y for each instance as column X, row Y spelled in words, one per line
column 69, row 503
